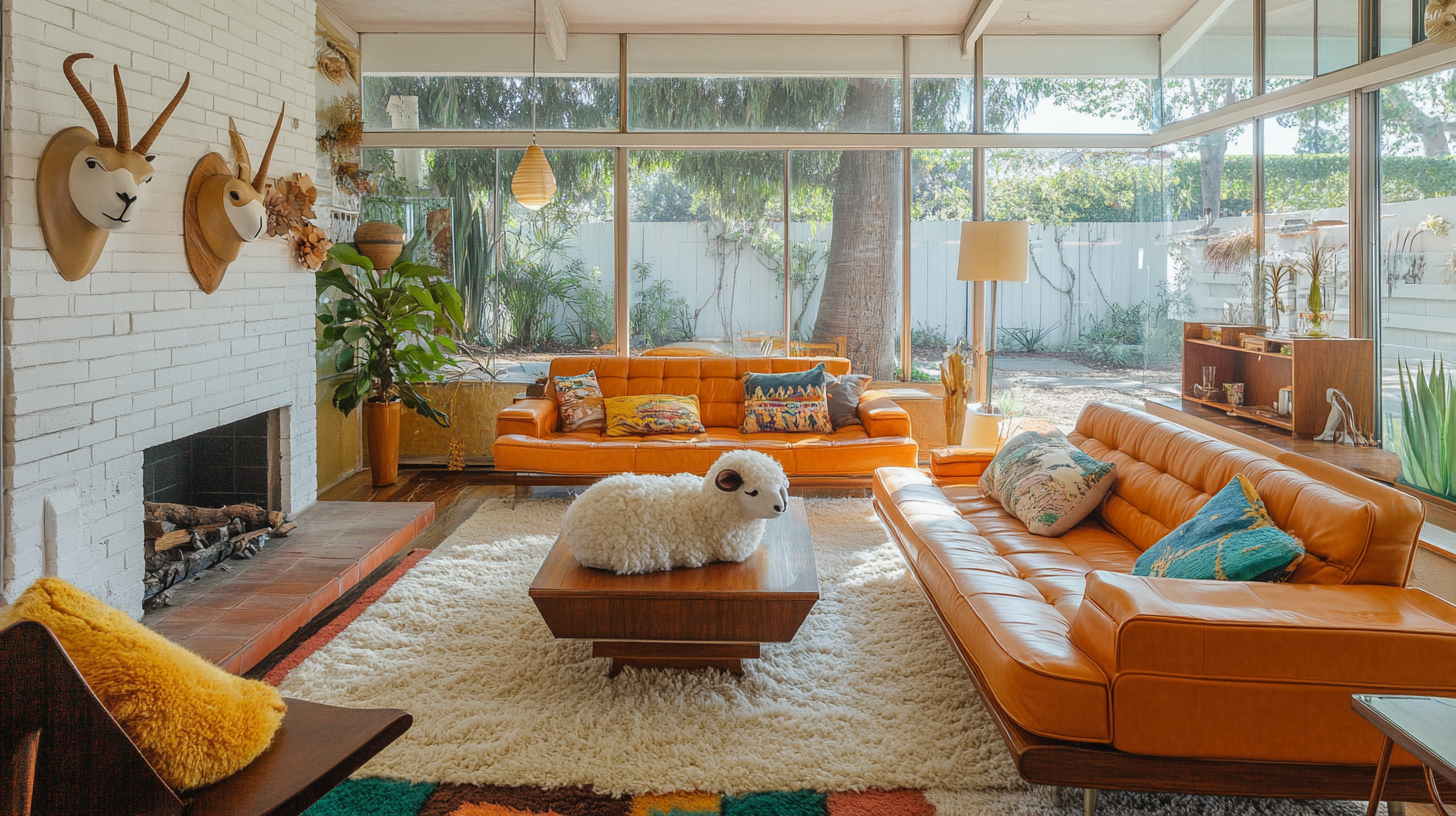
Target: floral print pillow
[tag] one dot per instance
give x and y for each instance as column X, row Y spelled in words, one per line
column 1047, row 482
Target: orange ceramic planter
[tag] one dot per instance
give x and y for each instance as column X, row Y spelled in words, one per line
column 381, row 422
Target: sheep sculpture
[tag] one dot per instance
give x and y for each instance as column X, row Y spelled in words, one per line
column 631, row 523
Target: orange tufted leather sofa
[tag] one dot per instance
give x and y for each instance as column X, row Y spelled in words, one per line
column 1101, row 679
column 529, row 438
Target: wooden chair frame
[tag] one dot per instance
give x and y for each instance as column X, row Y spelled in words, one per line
column 62, row 753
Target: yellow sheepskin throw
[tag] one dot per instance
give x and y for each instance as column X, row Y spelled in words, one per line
column 194, row 722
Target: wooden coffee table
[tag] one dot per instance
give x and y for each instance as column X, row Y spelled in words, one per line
column 710, row 617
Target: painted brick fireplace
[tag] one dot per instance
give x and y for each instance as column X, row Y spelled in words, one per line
column 135, row 356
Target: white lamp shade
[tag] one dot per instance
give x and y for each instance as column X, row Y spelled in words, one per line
column 993, row 251
column 983, row 430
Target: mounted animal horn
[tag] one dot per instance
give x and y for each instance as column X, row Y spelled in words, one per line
column 262, row 176
column 224, row 210
column 89, row 185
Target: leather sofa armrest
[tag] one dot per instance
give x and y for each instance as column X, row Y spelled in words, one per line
column 530, row 417
column 881, row 416
column 1226, row 630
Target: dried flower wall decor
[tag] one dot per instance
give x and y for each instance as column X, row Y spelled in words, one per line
column 343, row 122
column 311, row 246
column 333, row 64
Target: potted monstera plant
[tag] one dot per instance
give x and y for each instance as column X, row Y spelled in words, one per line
column 389, row 328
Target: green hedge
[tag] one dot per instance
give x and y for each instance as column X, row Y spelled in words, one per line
column 1108, row 187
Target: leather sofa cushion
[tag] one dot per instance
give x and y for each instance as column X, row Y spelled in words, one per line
column 717, row 382
column 1008, row 598
column 1233, row 670
column 1167, row 472
column 847, row 452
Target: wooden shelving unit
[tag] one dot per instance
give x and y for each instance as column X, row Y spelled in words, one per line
column 1311, row 366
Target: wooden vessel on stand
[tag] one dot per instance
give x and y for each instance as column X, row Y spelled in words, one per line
column 1306, row 365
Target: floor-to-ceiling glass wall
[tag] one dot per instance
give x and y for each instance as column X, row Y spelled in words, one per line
column 942, row 183
column 484, row 82
column 1418, row 280
column 1082, row 328
column 1070, row 84
column 705, row 250
column 1307, row 214
column 535, row 283
column 1213, row 251
column 845, row 218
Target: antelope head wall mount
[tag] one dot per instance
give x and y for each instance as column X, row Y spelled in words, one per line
column 224, row 209
column 90, row 185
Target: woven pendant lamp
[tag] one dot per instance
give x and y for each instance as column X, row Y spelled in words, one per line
column 533, row 183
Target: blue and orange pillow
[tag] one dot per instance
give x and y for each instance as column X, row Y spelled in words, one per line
column 786, row 403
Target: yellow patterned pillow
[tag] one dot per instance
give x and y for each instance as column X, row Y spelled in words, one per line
column 647, row 414
column 194, row 722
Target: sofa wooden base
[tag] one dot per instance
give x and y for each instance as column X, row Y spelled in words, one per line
column 1044, row 761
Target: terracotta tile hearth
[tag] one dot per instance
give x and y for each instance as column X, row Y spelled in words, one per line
column 236, row 618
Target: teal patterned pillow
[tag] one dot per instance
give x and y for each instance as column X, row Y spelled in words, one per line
column 1047, row 482
column 786, row 403
column 1231, row 538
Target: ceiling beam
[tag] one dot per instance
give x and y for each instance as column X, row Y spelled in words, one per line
column 555, row 27
column 1180, row 38
column 980, row 18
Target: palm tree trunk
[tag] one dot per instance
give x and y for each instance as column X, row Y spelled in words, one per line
column 861, row 285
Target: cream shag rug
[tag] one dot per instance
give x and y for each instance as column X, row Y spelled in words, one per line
column 868, row 695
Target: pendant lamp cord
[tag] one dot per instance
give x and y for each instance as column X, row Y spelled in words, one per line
column 535, row 82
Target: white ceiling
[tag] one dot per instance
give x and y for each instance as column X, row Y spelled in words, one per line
column 767, row 16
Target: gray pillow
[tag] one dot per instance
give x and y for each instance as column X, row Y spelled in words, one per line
column 843, row 394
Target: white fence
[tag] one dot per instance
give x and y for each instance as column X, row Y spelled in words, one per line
column 1098, row 264
column 1076, row 272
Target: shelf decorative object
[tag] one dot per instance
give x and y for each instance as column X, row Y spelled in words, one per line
column 957, row 370
column 1302, row 367
column 224, row 210
column 1441, row 20
column 91, row 185
column 1321, row 263
column 1341, row 426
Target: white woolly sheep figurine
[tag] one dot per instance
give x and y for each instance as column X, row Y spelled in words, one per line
column 631, row 523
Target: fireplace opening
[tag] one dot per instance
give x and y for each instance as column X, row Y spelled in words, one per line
column 210, row 497
column 226, row 465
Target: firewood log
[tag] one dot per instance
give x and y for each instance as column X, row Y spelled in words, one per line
column 167, row 541
column 183, row 516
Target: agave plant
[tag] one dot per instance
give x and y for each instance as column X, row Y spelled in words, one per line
column 1427, row 439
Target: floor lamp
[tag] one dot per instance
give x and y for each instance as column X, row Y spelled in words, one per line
column 991, row 251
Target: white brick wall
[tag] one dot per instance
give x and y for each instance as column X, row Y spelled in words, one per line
column 135, row 354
